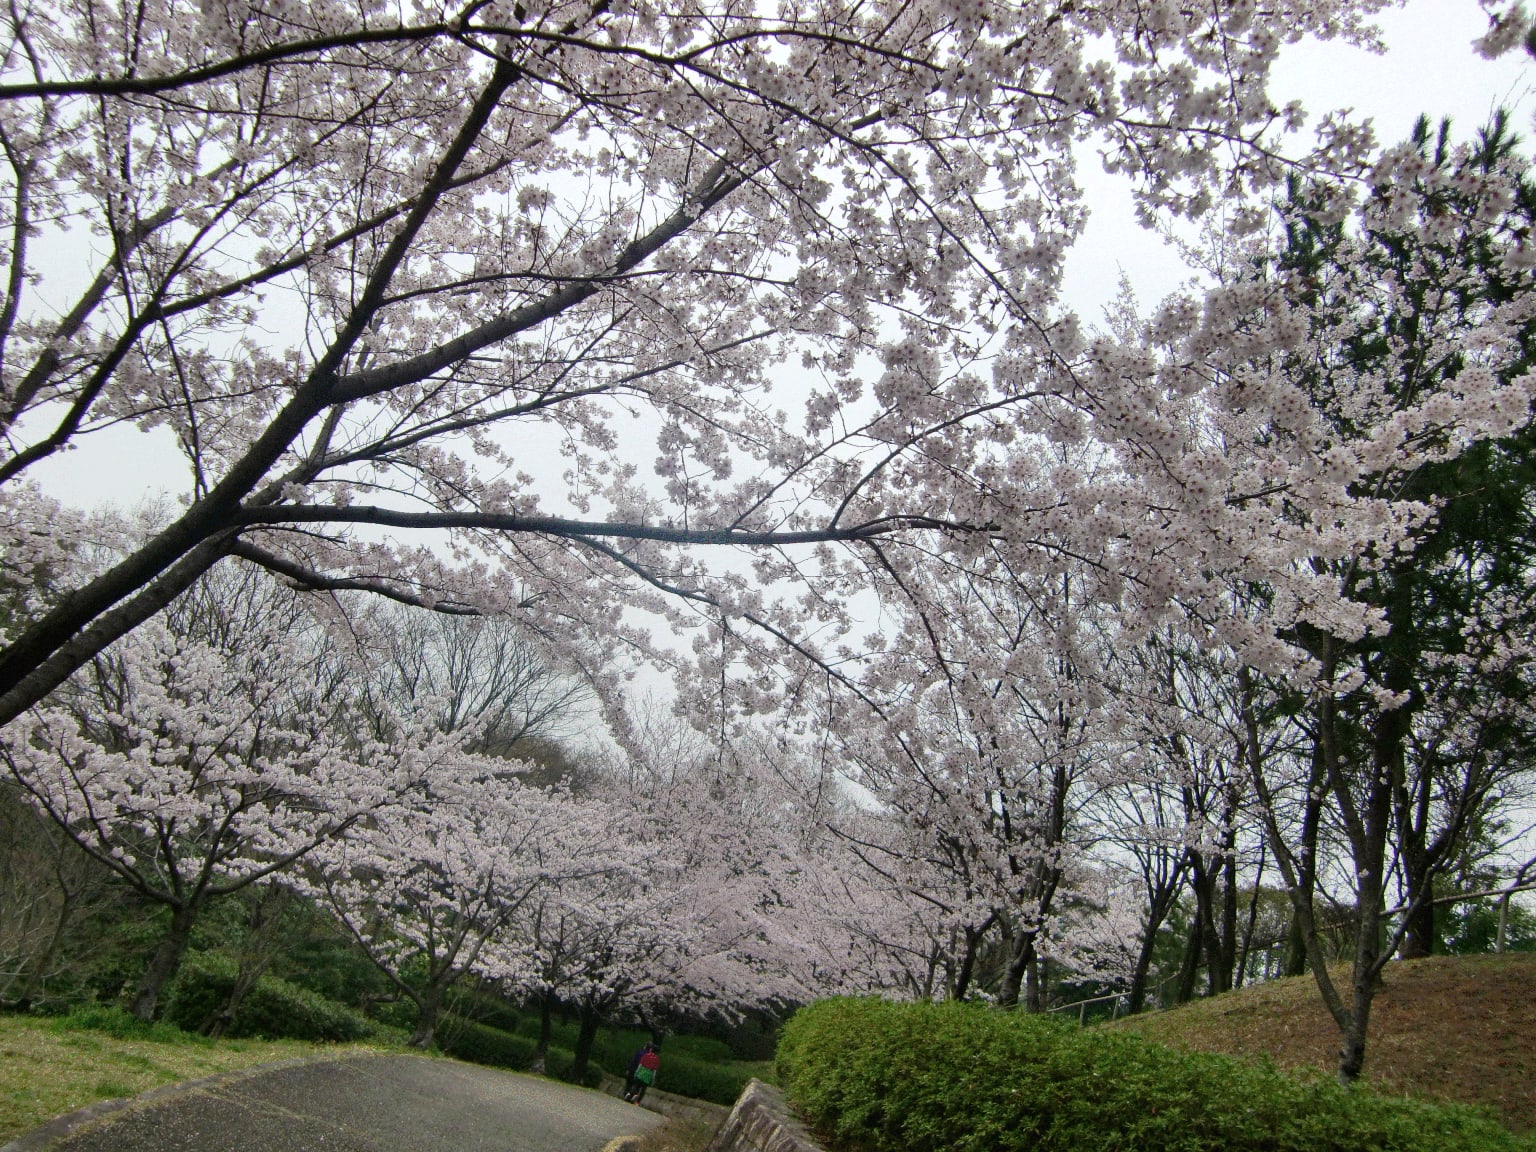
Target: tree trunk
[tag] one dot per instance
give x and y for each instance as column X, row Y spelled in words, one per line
column 585, row 1036
column 546, row 1030
column 1190, row 968
column 1253, row 916
column 1217, row 973
column 1370, row 850
column 1311, row 822
column 217, row 1024
column 1419, row 939
column 1136, row 998
column 165, row 963
column 428, row 1008
column 1228, row 936
column 255, row 956
column 1418, row 860
column 1158, row 907
column 973, row 938
column 1036, row 982
column 1019, row 958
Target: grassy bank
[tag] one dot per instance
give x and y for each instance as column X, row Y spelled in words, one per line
column 1453, row 1028
column 52, row 1066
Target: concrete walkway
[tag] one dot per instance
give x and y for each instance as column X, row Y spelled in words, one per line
column 390, row 1103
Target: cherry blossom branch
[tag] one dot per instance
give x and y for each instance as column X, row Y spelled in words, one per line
column 561, row 526
column 308, row 580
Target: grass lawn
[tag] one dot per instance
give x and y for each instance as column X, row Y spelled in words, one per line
column 1459, row 1028
column 52, row 1066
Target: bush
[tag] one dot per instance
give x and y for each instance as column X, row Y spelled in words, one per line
column 483, row 1009
column 481, row 1044
column 702, row 1048
column 878, row 1076
column 700, row 1079
column 122, row 1025
column 274, row 1008
column 561, row 1064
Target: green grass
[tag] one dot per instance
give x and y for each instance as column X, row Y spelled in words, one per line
column 52, row 1066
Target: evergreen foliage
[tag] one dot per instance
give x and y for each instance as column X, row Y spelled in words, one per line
column 876, row 1076
column 274, row 1008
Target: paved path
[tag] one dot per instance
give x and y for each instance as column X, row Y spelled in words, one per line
column 367, row 1104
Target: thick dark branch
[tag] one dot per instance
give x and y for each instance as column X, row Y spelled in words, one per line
column 289, row 50
column 560, row 526
column 711, row 190
column 44, row 675
column 308, row 580
column 85, row 621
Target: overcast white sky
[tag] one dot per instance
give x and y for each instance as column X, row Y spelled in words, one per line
column 1429, row 67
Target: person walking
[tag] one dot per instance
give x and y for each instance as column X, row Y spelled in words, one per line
column 643, row 1066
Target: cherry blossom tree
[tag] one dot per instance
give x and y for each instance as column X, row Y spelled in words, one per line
column 206, row 752
column 700, row 919
column 430, row 885
column 362, row 264
column 1002, row 730
column 1415, row 375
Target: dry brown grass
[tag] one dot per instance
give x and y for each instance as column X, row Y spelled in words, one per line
column 1445, row 1028
column 676, row 1135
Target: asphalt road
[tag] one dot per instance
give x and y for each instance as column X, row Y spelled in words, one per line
column 367, row 1104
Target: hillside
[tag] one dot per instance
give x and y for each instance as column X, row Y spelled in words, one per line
column 1457, row 1028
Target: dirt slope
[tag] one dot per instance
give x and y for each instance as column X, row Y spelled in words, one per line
column 1449, row 1028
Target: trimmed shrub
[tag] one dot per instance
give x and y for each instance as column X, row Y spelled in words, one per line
column 483, row 1009
column 561, row 1064
column 481, row 1044
column 884, row 1077
column 719, row 1083
column 701, row 1048
column 398, row 1012
column 274, row 1008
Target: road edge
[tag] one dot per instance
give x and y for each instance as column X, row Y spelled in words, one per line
column 45, row 1135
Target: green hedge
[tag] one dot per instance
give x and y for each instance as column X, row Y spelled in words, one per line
column 561, row 1064
column 483, row 1009
column 690, row 1065
column 273, row 1008
column 877, row 1076
column 720, row 1083
column 482, row 1044
column 702, row 1048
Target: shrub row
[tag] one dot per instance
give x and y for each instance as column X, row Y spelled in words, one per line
column 703, row 1048
column 274, row 1008
column 561, row 1064
column 877, row 1076
column 482, row 1044
column 121, row 1024
column 485, row 1009
column 702, row 1080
